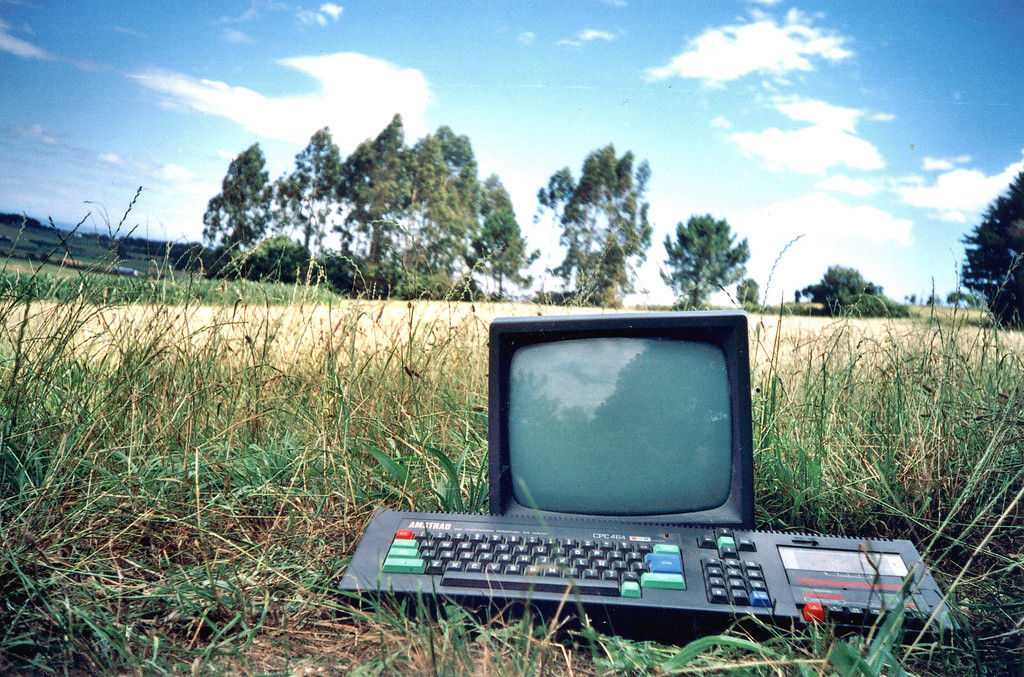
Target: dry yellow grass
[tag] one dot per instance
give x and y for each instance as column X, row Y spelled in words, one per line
column 292, row 332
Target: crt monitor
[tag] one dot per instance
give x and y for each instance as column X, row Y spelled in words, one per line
column 641, row 418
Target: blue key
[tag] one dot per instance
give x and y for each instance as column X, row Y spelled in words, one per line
column 660, row 563
column 760, row 598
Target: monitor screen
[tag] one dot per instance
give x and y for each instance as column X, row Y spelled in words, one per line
column 578, row 408
column 636, row 417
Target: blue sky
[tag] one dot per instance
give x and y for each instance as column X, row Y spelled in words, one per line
column 871, row 133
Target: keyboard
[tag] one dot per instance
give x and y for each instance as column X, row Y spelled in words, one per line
column 646, row 581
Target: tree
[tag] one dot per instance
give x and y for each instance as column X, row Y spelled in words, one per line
column 553, row 197
column 237, row 216
column 747, row 292
column 444, row 203
column 704, row 256
column 500, row 250
column 995, row 256
column 375, row 187
column 309, row 196
column 278, row 258
column 961, row 299
column 605, row 229
column 495, row 196
column 840, row 286
column 844, row 290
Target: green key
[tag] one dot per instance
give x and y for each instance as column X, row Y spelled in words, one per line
column 405, row 543
column 666, row 549
column 630, row 589
column 664, row 581
column 403, row 565
column 726, row 542
column 409, row 553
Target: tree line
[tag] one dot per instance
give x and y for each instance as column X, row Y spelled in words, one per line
column 413, row 221
column 416, row 221
column 406, row 218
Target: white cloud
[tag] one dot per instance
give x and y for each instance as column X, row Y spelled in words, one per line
column 882, row 117
column 810, row 150
column 721, row 123
column 308, row 17
column 332, row 9
column 33, row 133
column 828, row 142
column 588, row 35
column 819, row 216
column 526, row 37
column 819, row 113
column 791, row 238
column 19, row 47
column 328, row 12
column 792, row 241
column 176, row 173
column 380, row 88
column 763, row 46
column 844, row 184
column 934, row 164
column 957, row 194
column 111, row 158
column 236, row 37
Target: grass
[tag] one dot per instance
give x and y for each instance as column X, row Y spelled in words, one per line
column 183, row 480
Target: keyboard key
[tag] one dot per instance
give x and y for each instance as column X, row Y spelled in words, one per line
column 664, row 563
column 718, row 595
column 535, row 583
column 407, row 553
column 538, row 569
column 663, row 581
column 630, row 589
column 403, row 565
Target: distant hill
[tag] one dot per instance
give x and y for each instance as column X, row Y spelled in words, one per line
column 23, row 237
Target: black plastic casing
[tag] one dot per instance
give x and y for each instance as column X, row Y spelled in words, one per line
column 724, row 329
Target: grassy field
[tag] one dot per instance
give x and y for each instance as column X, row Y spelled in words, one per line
column 181, row 484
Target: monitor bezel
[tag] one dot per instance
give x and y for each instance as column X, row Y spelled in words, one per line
column 724, row 329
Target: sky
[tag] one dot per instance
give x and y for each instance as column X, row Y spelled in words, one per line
column 865, row 134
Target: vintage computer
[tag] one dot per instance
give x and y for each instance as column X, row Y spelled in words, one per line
column 621, row 488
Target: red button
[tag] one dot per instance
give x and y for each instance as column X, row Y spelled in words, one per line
column 404, row 534
column 814, row 613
